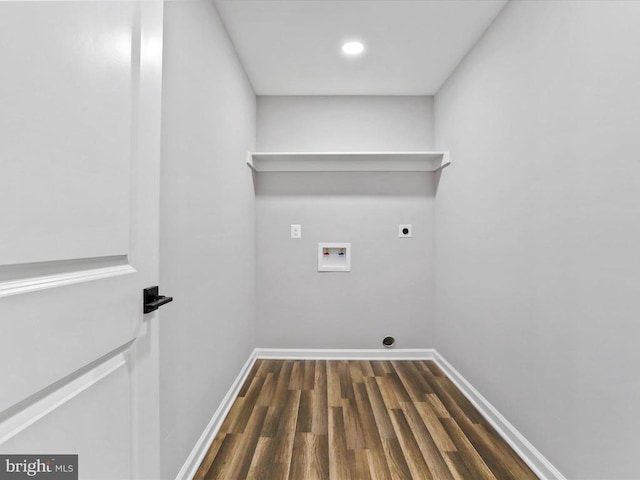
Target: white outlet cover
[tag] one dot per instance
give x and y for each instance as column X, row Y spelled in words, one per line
column 401, row 233
column 296, row 231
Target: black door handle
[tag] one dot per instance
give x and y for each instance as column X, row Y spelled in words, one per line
column 152, row 301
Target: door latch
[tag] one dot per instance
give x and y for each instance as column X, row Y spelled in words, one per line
column 152, row 301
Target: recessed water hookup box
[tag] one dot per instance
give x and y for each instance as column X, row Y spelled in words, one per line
column 334, row 257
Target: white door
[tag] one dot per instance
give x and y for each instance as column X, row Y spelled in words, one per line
column 80, row 96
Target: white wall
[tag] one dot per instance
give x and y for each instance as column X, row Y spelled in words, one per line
column 207, row 224
column 344, row 123
column 538, row 265
column 388, row 291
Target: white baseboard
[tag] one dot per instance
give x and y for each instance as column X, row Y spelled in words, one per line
column 531, row 456
column 346, row 354
column 190, row 467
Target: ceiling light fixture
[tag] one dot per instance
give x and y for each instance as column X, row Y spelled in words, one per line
column 353, row 48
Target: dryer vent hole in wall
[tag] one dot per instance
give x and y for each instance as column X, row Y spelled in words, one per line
column 388, row 342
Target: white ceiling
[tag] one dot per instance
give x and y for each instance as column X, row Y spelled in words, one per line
column 292, row 47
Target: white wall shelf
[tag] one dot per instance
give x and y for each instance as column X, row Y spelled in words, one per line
column 348, row 162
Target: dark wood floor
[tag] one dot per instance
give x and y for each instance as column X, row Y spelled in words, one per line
column 356, row 420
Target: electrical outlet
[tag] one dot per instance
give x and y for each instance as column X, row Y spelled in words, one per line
column 405, row 231
column 296, row 231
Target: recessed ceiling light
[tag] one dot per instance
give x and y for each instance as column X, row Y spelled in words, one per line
column 353, row 48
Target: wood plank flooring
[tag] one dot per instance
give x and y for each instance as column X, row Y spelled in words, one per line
column 356, row 420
